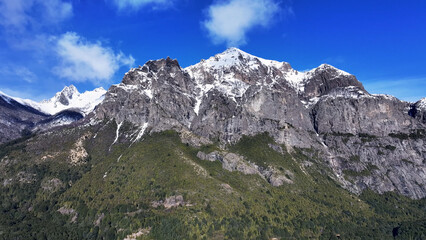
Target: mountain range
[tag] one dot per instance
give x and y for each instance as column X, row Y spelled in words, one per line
column 22, row 116
column 233, row 147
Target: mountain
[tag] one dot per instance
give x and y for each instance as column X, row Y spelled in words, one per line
column 234, row 147
column 15, row 118
column 66, row 107
column 234, row 94
column 70, row 98
column 67, row 99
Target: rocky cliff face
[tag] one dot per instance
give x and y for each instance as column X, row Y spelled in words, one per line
column 369, row 141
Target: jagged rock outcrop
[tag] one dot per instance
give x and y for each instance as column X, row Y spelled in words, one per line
column 327, row 78
column 328, row 110
column 234, row 162
column 352, row 110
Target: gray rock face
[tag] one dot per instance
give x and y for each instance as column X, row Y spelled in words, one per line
column 170, row 202
column 351, row 110
column 156, row 94
column 214, row 99
column 234, row 94
column 373, row 141
column 326, row 78
column 380, row 163
column 233, row 162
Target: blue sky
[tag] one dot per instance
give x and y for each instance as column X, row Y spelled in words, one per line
column 48, row 44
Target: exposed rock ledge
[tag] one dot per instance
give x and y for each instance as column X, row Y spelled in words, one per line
column 233, row 162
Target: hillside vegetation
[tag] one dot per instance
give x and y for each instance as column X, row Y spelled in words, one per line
column 159, row 189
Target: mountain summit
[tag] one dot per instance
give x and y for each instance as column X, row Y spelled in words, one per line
column 71, row 98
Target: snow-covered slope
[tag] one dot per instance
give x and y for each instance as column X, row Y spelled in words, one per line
column 422, row 104
column 68, row 98
column 224, row 65
column 6, row 97
column 25, row 102
column 233, row 71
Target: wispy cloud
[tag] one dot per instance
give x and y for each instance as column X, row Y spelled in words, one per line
column 82, row 60
column 229, row 21
column 21, row 15
column 138, row 4
column 18, row 73
column 408, row 89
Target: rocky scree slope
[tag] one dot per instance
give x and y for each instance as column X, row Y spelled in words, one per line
column 368, row 141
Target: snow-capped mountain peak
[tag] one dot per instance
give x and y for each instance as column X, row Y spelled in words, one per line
column 236, row 57
column 67, row 99
column 63, row 97
column 328, row 67
column 71, row 98
column 233, row 71
column 70, row 91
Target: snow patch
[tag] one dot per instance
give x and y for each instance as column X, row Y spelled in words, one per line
column 5, row 97
column 422, row 104
column 385, row 96
column 323, row 67
column 141, row 132
column 117, row 134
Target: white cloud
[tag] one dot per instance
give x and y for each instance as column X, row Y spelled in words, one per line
column 85, row 61
column 13, row 13
column 229, row 21
column 18, row 15
column 136, row 4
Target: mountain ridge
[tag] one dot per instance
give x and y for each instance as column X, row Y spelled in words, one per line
column 234, row 94
column 66, row 99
